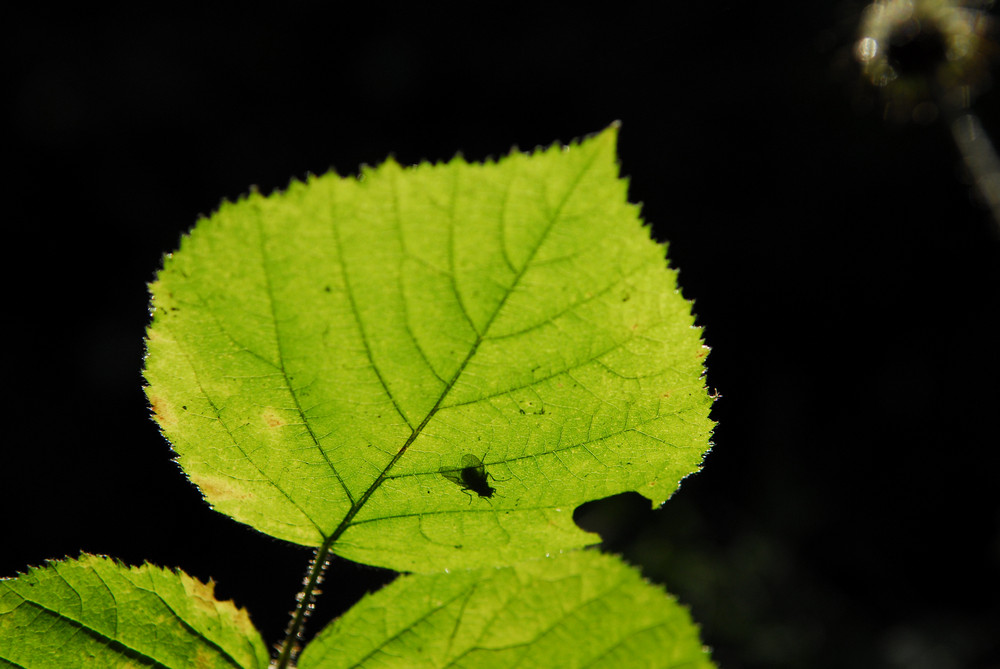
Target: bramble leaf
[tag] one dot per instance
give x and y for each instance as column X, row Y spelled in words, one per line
column 318, row 357
column 582, row 609
column 95, row 612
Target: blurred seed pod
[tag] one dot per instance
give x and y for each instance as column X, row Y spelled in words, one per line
column 924, row 53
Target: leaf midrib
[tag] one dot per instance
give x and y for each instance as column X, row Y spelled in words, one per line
column 113, row 641
column 473, row 349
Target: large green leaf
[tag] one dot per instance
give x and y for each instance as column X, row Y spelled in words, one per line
column 96, row 613
column 583, row 609
column 324, row 360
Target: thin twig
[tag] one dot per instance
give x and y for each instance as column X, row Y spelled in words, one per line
column 980, row 159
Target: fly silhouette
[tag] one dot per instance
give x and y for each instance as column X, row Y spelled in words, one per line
column 471, row 476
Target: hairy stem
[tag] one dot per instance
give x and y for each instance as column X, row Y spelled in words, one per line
column 290, row 647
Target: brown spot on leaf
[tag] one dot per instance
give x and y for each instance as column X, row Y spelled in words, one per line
column 204, row 657
column 162, row 411
column 272, row 419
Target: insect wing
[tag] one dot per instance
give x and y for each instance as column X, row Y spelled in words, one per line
column 461, row 475
column 469, row 461
column 453, row 475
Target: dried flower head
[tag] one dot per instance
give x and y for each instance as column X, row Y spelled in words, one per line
column 925, row 52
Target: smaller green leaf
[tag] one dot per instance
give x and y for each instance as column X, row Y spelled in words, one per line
column 96, row 612
column 574, row 610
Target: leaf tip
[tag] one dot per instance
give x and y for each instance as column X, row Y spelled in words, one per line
column 606, row 138
column 612, row 130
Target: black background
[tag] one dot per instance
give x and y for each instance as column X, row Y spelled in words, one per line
column 848, row 284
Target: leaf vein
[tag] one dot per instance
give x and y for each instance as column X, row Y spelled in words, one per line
column 232, row 437
column 349, row 292
column 281, row 358
column 453, row 277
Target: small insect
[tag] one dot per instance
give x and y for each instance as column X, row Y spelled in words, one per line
column 471, row 476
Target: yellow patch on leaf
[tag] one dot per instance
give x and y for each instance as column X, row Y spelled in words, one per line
column 217, row 489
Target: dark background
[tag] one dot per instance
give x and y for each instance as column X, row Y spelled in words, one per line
column 848, row 284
